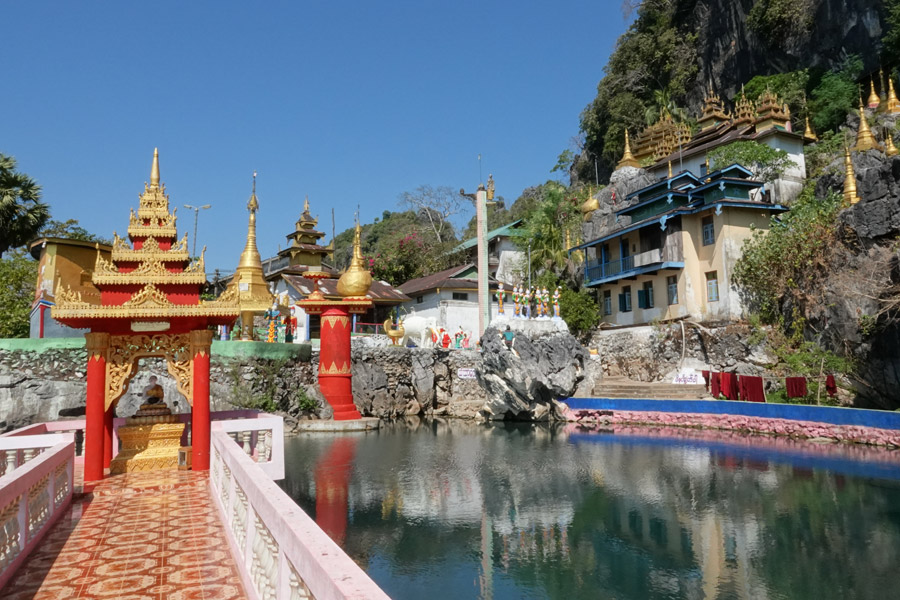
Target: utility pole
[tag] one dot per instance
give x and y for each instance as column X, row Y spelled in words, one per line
column 196, row 210
column 482, row 198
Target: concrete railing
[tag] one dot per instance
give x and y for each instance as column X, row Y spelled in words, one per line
column 280, row 551
column 35, row 489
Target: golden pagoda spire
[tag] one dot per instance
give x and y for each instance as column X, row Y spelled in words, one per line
column 154, row 170
column 809, row 134
column 865, row 140
column 889, row 148
column 589, row 205
column 874, row 100
column 628, row 159
column 306, row 204
column 356, row 280
column 670, row 169
column 893, row 104
column 252, row 290
column 850, row 194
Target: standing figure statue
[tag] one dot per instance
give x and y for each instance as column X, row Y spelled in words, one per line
column 545, row 301
column 556, row 296
column 526, row 298
column 272, row 318
column 515, row 297
column 500, row 295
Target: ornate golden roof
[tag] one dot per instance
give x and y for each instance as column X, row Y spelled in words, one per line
column 628, row 159
column 771, row 112
column 306, row 221
column 865, row 139
column 150, row 250
column 249, row 284
column 150, row 302
column 713, row 111
column 850, row 194
column 744, row 110
column 356, row 280
column 661, row 139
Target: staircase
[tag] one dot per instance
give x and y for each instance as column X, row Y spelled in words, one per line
column 620, row 387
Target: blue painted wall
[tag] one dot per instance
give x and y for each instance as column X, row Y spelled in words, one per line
column 797, row 412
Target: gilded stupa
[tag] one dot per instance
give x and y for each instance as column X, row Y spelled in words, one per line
column 874, row 100
column 889, row 148
column 850, row 194
column 865, row 139
column 809, row 135
column 249, row 283
column 893, row 104
column 304, row 248
column 590, row 205
column 628, row 159
column 356, row 280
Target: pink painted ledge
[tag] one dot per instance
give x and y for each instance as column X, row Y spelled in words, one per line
column 758, row 425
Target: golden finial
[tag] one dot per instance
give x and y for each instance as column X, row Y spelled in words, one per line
column 893, row 104
column 628, row 159
column 306, row 204
column 865, row 140
column 154, row 170
column 356, row 280
column 874, row 100
column 589, row 205
column 850, row 195
column 670, row 169
column 253, row 203
column 889, row 148
column 809, row 134
column 490, row 187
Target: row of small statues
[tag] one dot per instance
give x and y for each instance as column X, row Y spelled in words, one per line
column 524, row 298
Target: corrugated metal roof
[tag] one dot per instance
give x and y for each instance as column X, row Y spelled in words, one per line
column 508, row 230
column 380, row 291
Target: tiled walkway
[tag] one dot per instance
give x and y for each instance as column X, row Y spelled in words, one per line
column 138, row 536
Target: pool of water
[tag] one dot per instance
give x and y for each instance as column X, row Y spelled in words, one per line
column 460, row 510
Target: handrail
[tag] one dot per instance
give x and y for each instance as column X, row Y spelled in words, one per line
column 280, row 551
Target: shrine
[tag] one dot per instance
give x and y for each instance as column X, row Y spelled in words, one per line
column 149, row 305
column 334, row 355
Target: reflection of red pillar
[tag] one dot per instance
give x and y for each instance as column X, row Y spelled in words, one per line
column 332, row 478
column 97, row 344
column 334, row 364
column 107, row 436
column 200, row 344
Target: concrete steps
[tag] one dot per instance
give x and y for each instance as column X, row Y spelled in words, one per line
column 619, row 387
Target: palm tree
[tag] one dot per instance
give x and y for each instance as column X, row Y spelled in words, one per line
column 22, row 214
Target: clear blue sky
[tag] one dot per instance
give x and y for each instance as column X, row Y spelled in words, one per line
column 348, row 102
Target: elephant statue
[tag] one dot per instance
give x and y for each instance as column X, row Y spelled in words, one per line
column 418, row 329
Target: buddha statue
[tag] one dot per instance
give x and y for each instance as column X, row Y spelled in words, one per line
column 154, row 404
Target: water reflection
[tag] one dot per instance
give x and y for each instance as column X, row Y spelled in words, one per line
column 459, row 510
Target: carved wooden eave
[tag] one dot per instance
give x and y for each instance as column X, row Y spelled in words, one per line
column 165, row 227
column 150, row 302
column 149, row 271
column 123, row 252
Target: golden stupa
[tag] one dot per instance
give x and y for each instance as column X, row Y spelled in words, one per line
column 252, row 290
column 356, row 280
column 893, row 104
column 889, row 148
column 590, row 205
column 850, row 194
column 809, row 135
column 874, row 100
column 865, row 139
column 628, row 159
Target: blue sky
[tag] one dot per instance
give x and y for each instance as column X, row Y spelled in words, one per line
column 351, row 103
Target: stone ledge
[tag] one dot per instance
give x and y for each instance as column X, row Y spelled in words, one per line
column 364, row 424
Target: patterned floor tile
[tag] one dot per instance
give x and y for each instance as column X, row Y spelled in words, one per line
column 134, row 537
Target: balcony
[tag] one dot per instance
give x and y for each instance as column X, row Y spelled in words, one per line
column 597, row 272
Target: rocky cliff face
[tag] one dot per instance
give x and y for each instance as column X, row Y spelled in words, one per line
column 612, row 198
column 730, row 52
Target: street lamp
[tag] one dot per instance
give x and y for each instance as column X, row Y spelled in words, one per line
column 196, row 210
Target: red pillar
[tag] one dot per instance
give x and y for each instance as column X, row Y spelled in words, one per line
column 334, row 364
column 107, row 435
column 200, row 344
column 97, row 345
column 332, row 478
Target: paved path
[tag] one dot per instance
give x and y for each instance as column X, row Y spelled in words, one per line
column 138, row 536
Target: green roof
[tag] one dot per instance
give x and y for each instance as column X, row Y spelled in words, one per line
column 507, row 230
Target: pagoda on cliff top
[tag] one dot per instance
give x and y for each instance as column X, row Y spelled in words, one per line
column 149, row 305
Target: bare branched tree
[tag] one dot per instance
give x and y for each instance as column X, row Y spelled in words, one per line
column 438, row 205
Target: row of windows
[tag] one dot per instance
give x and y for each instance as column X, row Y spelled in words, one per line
column 645, row 294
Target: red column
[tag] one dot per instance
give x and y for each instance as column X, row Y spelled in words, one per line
column 332, row 478
column 97, row 345
column 200, row 344
column 107, row 435
column 334, row 364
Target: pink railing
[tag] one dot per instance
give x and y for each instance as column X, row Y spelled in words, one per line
column 281, row 552
column 35, row 489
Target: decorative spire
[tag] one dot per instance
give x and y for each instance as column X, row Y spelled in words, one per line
column 893, row 104
column 589, row 205
column 744, row 110
column 628, row 159
column 253, row 203
column 670, row 169
column 889, row 148
column 874, row 100
column 809, row 135
column 306, row 204
column 850, row 195
column 356, row 280
column 154, row 170
column 250, row 256
column 865, row 140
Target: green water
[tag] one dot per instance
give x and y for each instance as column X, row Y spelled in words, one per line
column 458, row 510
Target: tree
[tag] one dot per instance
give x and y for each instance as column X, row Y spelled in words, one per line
column 545, row 227
column 836, row 94
column 437, row 205
column 22, row 214
column 767, row 163
column 71, row 230
column 18, row 272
